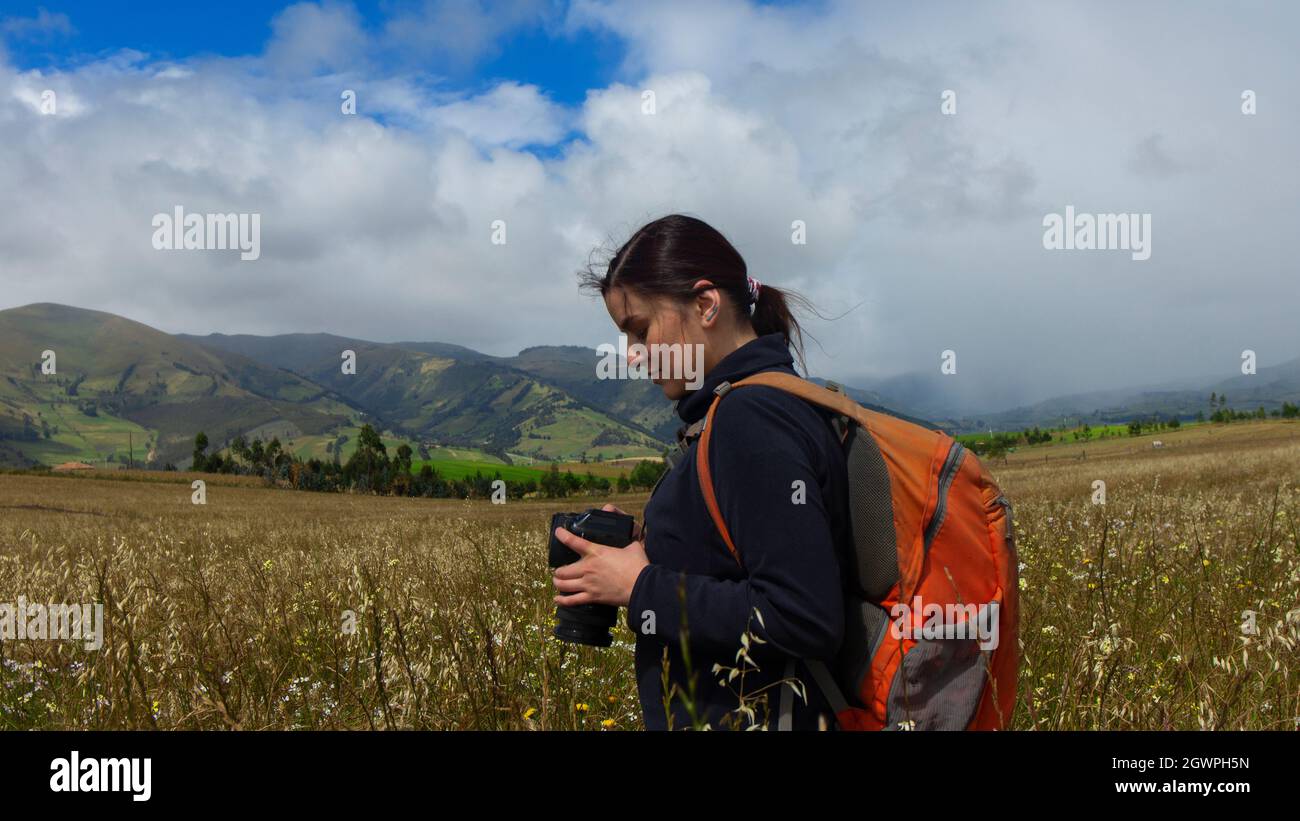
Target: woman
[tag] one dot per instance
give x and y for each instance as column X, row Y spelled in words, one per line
column 781, row 485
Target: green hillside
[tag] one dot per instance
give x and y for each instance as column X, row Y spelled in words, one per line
column 118, row 386
column 446, row 396
column 573, row 368
column 122, row 392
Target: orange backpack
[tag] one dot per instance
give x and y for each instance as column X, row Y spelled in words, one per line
column 932, row 607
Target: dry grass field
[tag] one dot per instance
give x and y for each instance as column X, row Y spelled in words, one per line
column 233, row 614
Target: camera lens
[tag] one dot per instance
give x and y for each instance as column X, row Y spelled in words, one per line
column 589, row 624
column 586, row 624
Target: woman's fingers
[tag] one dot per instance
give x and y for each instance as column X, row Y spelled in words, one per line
column 575, row 542
column 568, row 585
column 568, row 571
column 574, row 600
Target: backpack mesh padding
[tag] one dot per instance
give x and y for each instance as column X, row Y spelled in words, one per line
column 938, row 686
column 871, row 509
column 864, row 627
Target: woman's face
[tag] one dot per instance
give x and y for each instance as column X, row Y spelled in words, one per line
column 656, row 320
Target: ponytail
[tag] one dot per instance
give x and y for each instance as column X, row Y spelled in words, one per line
column 771, row 314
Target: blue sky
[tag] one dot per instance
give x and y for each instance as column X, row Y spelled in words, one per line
column 166, row 29
column 564, row 65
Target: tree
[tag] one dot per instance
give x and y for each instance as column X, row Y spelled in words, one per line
column 369, row 463
column 239, row 447
column 552, row 485
column 403, row 463
column 276, row 461
column 369, row 439
column 200, row 445
column 572, row 483
column 646, row 473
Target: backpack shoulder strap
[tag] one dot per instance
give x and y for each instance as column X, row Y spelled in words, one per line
column 830, row 397
column 825, row 397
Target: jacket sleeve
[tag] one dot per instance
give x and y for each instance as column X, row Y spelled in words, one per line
column 765, row 477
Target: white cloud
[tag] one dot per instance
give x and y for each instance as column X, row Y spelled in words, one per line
column 510, row 115
column 459, row 32
column 378, row 225
column 307, row 38
column 41, row 26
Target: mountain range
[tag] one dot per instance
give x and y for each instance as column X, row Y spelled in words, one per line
column 84, row 385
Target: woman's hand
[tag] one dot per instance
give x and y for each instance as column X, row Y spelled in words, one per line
column 602, row 574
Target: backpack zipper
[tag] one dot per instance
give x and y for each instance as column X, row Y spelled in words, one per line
column 946, row 474
column 1010, row 531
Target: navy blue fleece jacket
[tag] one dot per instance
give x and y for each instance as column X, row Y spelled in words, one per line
column 763, row 443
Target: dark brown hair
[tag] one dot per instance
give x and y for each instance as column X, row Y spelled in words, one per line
column 669, row 255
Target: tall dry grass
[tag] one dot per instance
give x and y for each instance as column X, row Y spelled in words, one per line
column 1135, row 613
column 234, row 614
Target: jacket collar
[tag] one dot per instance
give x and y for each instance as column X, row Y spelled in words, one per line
column 764, row 353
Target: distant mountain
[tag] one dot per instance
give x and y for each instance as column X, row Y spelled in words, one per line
column 574, row 369
column 449, row 351
column 1268, row 388
column 122, row 391
column 118, row 386
column 874, row 401
column 931, row 394
column 449, row 394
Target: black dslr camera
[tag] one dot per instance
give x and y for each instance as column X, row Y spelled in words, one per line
column 588, row 623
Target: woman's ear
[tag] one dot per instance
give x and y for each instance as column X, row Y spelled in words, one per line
column 707, row 301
